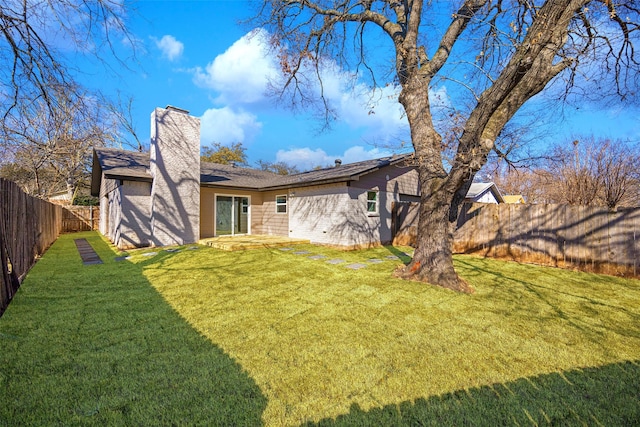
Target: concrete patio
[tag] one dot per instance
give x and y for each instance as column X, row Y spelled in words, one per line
column 250, row 241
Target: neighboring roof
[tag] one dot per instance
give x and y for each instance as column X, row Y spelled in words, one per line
column 479, row 188
column 513, row 198
column 131, row 165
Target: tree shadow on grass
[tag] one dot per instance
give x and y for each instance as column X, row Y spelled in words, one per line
column 98, row 344
column 606, row 395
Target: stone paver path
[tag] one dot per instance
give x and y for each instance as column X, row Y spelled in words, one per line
column 337, row 261
column 356, row 266
column 87, row 253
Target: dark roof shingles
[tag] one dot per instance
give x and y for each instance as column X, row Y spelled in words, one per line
column 120, row 163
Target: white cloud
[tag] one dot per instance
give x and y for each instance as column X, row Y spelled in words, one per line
column 171, row 48
column 242, row 73
column 307, row 158
column 241, row 76
column 226, row 126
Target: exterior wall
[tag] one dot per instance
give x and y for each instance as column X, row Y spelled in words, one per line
column 110, row 209
column 336, row 215
column 175, row 168
column 208, row 206
column 392, row 179
column 125, row 212
column 267, row 220
column 320, row 214
column 136, row 211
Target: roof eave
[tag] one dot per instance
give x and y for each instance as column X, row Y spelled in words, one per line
column 128, row 177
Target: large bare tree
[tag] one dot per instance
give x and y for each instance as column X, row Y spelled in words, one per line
column 503, row 52
column 50, row 150
column 592, row 172
column 37, row 35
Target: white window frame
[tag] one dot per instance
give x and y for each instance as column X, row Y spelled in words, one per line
column 285, row 204
column 248, row 213
column 376, row 202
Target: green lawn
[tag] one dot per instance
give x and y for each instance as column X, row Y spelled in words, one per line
column 269, row 337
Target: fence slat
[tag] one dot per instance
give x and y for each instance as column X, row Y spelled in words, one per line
column 28, row 226
column 585, row 237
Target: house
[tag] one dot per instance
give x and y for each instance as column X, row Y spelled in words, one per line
column 484, row 192
column 514, row 198
column 168, row 196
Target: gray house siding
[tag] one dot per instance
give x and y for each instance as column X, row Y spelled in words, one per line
column 136, row 206
column 320, row 214
column 392, row 179
column 124, row 212
column 267, row 220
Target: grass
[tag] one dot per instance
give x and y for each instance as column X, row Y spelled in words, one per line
column 266, row 336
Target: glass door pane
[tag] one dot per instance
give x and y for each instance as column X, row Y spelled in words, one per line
column 241, row 215
column 224, row 209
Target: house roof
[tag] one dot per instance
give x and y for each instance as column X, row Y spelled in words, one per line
column 131, row 165
column 478, row 188
column 513, row 198
column 231, row 176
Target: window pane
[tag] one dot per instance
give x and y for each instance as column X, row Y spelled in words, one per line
column 372, row 201
column 281, row 204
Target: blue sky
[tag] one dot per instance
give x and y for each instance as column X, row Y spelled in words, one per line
column 195, row 55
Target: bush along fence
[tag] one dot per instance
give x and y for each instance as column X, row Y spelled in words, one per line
column 28, row 226
column 582, row 237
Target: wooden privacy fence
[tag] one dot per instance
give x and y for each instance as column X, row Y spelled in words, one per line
column 80, row 218
column 583, row 237
column 28, row 226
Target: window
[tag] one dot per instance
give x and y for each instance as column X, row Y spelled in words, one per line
column 281, row 204
column 372, row 202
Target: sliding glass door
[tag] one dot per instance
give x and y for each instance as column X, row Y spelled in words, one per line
column 232, row 215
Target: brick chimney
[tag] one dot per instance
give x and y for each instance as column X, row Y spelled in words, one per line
column 175, row 167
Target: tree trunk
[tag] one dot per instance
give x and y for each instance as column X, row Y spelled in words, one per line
column 433, row 258
column 441, row 195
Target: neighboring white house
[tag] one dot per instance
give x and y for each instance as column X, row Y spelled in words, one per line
column 484, row 192
column 169, row 197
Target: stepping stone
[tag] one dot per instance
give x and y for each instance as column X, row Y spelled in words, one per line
column 391, row 257
column 172, row 250
column 336, row 261
column 87, row 253
column 285, row 249
column 315, row 257
column 122, row 258
column 356, row 266
column 301, row 252
column 193, row 248
column 374, row 261
column 150, row 254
